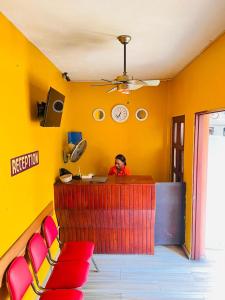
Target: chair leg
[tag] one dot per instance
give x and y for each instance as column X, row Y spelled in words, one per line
column 94, row 263
column 37, row 282
column 35, row 290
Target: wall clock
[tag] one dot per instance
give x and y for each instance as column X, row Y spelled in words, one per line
column 120, row 113
column 141, row 114
column 99, row 114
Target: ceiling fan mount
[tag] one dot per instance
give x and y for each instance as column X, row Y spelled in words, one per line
column 123, row 83
column 124, row 39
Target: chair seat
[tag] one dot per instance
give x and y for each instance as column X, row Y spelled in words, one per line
column 66, row 275
column 81, row 250
column 62, row 295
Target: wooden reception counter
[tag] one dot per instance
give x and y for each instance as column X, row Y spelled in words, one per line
column 118, row 215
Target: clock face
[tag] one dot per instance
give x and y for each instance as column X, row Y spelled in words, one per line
column 120, row 113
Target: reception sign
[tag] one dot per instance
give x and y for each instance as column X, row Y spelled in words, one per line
column 24, row 162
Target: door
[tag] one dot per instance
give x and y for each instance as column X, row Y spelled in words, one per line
column 199, row 185
column 177, row 167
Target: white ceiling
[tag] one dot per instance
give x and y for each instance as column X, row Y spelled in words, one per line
column 79, row 36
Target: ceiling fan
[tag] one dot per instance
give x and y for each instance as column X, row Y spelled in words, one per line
column 123, row 83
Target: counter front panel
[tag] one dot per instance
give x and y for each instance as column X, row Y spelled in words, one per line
column 118, row 216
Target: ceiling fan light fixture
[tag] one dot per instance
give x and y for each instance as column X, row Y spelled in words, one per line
column 123, row 88
column 126, row 92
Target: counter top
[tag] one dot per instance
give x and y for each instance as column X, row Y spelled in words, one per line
column 133, row 179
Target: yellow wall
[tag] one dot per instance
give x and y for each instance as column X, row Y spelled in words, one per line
column 143, row 143
column 197, row 88
column 25, row 77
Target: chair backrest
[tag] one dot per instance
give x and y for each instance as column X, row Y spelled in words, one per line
column 37, row 251
column 50, row 230
column 18, row 278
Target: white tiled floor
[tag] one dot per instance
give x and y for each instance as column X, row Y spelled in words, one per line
column 168, row 275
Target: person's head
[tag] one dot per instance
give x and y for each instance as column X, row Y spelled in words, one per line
column 120, row 161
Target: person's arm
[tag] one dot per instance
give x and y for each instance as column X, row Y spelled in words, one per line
column 127, row 171
column 111, row 171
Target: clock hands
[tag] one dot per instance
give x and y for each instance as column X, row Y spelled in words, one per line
column 118, row 114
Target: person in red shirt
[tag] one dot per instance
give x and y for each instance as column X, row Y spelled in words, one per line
column 120, row 168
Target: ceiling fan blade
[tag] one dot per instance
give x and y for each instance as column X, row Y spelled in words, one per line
column 106, row 80
column 113, row 81
column 102, row 84
column 151, row 82
column 112, row 89
column 135, row 81
column 135, row 86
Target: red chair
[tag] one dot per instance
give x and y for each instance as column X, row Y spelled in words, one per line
column 19, row 279
column 74, row 250
column 65, row 275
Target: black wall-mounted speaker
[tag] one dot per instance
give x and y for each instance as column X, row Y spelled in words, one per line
column 50, row 113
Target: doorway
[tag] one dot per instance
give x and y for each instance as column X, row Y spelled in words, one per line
column 208, row 183
column 215, row 202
